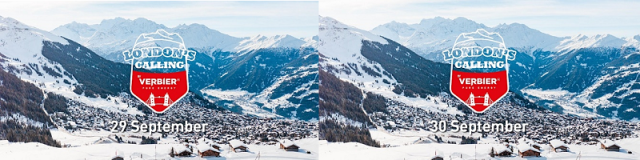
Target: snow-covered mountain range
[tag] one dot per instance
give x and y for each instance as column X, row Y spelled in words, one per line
column 343, row 54
column 363, row 75
column 378, row 82
column 593, row 76
column 50, row 82
column 430, row 36
column 112, row 36
column 259, row 75
column 25, row 53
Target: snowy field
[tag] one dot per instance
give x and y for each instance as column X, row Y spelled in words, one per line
column 85, row 147
column 352, row 150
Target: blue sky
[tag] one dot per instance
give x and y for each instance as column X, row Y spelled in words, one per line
column 620, row 18
column 241, row 19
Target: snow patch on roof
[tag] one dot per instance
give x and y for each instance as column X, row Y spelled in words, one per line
column 288, row 143
column 205, row 147
column 237, row 143
column 558, row 143
column 608, row 143
column 526, row 147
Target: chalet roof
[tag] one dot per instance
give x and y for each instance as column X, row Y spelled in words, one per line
column 500, row 149
column 557, row 143
column 608, row 143
column 528, row 141
column 526, row 147
column 205, row 147
column 237, row 143
column 180, row 149
column 287, row 143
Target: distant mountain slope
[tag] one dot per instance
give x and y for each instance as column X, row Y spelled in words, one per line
column 272, row 76
column 266, row 82
column 559, row 73
column 43, row 74
column 430, row 36
column 112, row 36
column 61, row 66
column 363, row 75
column 382, row 66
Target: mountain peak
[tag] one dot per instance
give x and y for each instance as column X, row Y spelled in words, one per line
column 114, row 35
column 113, row 21
column 75, row 25
column 119, row 22
column 462, row 19
column 512, row 25
column 633, row 41
column 24, row 32
column 330, row 22
column 605, row 36
column 584, row 41
column 277, row 41
column 23, row 42
column 311, row 42
column 10, row 22
column 196, row 27
column 427, row 23
column 140, row 19
column 430, row 34
column 432, row 20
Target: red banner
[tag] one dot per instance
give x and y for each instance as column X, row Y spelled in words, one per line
column 159, row 90
column 479, row 90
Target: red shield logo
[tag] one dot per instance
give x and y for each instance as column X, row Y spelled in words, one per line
column 159, row 69
column 479, row 69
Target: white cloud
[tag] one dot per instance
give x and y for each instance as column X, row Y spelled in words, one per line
column 560, row 18
column 234, row 18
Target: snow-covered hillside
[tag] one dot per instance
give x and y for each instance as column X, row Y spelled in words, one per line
column 93, row 150
column 341, row 47
column 546, row 65
column 354, row 150
column 260, row 41
column 21, row 47
column 610, row 90
column 584, row 41
column 276, row 74
column 265, row 82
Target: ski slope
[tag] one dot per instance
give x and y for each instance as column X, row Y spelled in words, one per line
column 160, row 151
column 357, row 151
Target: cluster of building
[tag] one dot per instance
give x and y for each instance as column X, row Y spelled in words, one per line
column 543, row 125
column 223, row 126
column 207, row 148
column 528, row 148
